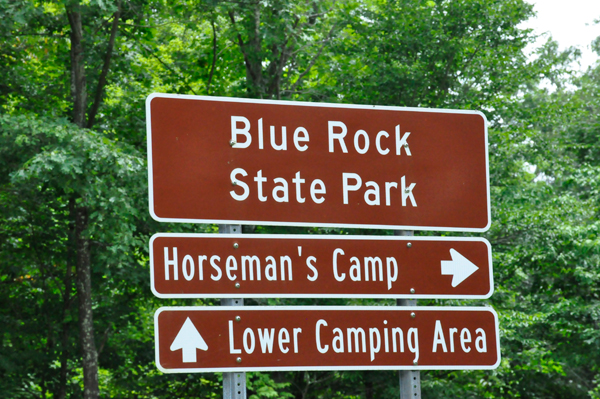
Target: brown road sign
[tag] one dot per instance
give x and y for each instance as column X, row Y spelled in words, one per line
column 225, row 160
column 244, row 265
column 200, row 339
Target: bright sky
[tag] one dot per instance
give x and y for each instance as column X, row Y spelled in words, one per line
column 570, row 22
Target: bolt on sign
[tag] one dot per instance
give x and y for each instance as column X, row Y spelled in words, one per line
column 222, row 339
column 225, row 160
column 245, row 265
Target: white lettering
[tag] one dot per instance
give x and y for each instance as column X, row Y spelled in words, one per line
column 401, row 142
column 188, row 262
column 413, row 342
column 388, row 188
column 259, row 179
column 438, row 337
column 374, row 336
column 213, row 263
column 250, row 261
column 231, row 265
column 232, row 349
column 283, row 338
column 407, row 192
column 480, row 342
column 310, row 263
column 378, row 142
column 465, row 338
column 283, row 260
column 357, row 136
column 239, row 183
column 283, row 145
column 317, row 187
column 266, row 340
column 452, row 332
column 171, row 262
column 358, row 333
column 271, row 269
column 391, row 277
column 337, row 136
column 260, row 135
column 298, row 181
column 248, row 340
column 347, row 187
column 337, row 276
column 397, row 331
column 201, row 259
column 320, row 348
column 374, row 191
column 338, row 341
column 245, row 131
column 355, row 269
column 283, row 189
column 300, row 139
column 296, row 332
column 376, row 265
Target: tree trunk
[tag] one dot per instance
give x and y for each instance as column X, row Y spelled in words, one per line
column 84, row 292
column 64, row 339
column 84, row 272
column 67, row 301
column 78, row 84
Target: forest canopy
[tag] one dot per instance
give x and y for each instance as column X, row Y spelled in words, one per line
column 77, row 311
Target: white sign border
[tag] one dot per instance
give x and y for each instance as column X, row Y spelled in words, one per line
column 325, row 368
column 309, row 104
column 319, row 237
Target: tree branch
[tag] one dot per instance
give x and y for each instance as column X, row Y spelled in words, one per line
column 242, row 47
column 105, row 68
column 104, row 339
column 214, row 60
column 313, row 60
column 149, row 50
column 276, row 69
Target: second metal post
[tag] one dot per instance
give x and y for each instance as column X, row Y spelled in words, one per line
column 234, row 384
column 410, row 380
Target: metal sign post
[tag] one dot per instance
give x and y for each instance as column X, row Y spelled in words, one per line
column 234, row 383
column 410, row 380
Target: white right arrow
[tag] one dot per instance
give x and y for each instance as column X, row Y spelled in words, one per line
column 459, row 267
column 188, row 339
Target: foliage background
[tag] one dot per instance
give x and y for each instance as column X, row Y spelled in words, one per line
column 60, row 159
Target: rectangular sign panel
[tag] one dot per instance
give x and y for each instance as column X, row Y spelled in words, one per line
column 244, row 265
column 225, row 160
column 200, row 339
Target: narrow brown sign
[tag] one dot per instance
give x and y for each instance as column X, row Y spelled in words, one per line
column 200, row 339
column 224, row 160
column 243, row 265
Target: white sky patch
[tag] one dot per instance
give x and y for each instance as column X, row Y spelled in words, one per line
column 570, row 23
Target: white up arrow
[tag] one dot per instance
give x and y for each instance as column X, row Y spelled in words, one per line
column 459, row 267
column 188, row 339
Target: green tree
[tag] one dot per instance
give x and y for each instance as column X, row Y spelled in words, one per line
column 55, row 170
column 77, row 35
column 73, row 79
column 466, row 53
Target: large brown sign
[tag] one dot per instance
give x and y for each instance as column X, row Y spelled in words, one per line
column 223, row 160
column 199, row 339
column 236, row 265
